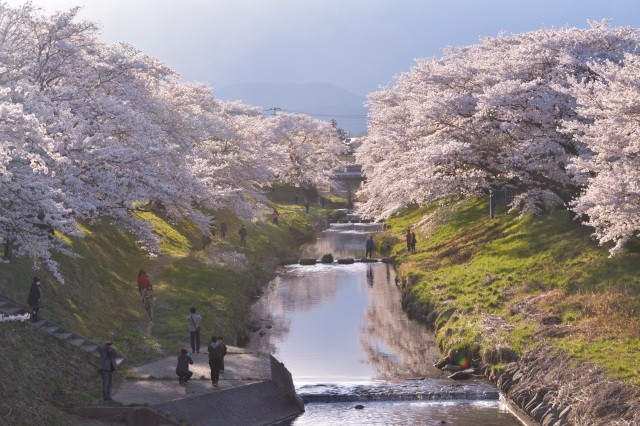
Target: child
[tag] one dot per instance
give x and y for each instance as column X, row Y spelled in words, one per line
column 182, row 370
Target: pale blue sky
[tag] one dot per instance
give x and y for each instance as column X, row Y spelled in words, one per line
column 354, row 44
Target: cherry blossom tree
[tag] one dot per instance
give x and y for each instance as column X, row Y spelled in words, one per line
column 609, row 108
column 484, row 116
column 89, row 130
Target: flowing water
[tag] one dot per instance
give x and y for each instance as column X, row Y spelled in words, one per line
column 341, row 332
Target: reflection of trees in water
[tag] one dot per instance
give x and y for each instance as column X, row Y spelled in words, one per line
column 395, row 346
column 297, row 290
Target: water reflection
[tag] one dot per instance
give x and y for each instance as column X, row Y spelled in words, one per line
column 345, row 318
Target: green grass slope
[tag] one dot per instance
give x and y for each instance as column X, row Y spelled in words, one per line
column 100, row 300
column 487, row 284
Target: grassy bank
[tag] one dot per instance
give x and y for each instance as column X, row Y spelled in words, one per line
column 487, row 284
column 100, row 300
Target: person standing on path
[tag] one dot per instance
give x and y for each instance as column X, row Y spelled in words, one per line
column 108, row 366
column 413, row 242
column 194, row 329
column 409, row 239
column 223, row 229
column 243, row 235
column 306, row 206
column 369, row 247
column 182, row 370
column 224, row 352
column 35, row 300
column 216, row 353
column 275, row 215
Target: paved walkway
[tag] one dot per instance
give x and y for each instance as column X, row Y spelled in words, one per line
column 157, row 382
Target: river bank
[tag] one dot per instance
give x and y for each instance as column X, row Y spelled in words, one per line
column 534, row 300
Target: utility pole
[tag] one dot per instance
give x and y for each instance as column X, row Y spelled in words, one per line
column 274, row 110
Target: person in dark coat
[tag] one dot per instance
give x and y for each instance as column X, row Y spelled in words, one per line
column 243, row 235
column 413, row 242
column 369, row 247
column 108, row 366
column 216, row 351
column 223, row 230
column 35, row 300
column 182, row 370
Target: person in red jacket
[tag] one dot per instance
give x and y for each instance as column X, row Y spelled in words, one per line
column 143, row 281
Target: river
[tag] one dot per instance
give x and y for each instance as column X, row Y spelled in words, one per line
column 341, row 332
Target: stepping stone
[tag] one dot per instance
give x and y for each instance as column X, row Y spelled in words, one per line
column 12, row 311
column 89, row 347
column 40, row 323
column 63, row 335
column 51, row 329
column 77, row 342
column 2, row 303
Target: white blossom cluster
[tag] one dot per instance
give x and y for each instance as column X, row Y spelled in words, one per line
column 90, row 130
column 13, row 318
column 553, row 114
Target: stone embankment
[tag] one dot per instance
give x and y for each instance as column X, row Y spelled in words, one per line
column 555, row 390
column 544, row 384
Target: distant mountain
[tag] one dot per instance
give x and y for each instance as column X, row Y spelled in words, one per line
column 319, row 100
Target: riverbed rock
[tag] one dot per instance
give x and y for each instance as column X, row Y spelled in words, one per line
column 255, row 325
column 346, row 261
column 462, row 375
column 451, row 367
column 308, row 261
column 442, row 362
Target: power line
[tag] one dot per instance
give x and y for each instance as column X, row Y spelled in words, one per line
column 275, row 109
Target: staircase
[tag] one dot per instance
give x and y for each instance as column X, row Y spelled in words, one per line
column 11, row 307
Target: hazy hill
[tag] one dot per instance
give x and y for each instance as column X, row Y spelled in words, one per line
column 320, row 100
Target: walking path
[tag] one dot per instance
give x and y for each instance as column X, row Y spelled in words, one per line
column 157, row 382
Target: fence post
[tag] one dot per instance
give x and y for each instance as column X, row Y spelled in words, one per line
column 491, row 200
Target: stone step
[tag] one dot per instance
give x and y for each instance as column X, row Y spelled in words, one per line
column 40, row 323
column 2, row 303
column 13, row 310
column 50, row 328
column 89, row 347
column 77, row 342
column 63, row 335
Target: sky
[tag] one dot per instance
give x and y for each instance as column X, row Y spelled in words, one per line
column 359, row 45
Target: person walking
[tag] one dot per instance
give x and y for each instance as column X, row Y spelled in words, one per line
column 195, row 320
column 369, row 247
column 108, row 366
column 409, row 239
column 182, row 370
column 275, row 215
column 148, row 298
column 216, row 353
column 35, row 299
column 243, row 235
column 143, row 281
column 306, row 206
column 223, row 230
column 413, row 242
